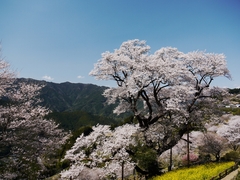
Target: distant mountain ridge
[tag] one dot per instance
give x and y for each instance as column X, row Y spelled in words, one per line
column 74, row 105
column 60, row 97
column 66, row 96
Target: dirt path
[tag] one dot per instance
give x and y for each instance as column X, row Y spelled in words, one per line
column 232, row 175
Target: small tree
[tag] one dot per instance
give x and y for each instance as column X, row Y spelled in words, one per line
column 212, row 144
column 192, row 158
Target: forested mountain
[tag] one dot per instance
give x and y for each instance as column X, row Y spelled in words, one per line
column 74, row 105
column 66, row 96
column 73, row 96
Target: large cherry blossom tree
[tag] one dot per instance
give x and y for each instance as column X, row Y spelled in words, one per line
column 168, row 92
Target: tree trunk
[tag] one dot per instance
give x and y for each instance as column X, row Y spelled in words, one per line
column 217, row 156
column 122, row 170
column 170, row 161
column 188, row 156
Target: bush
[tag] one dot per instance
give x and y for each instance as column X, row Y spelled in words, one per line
column 146, row 160
column 231, row 156
column 238, row 176
column 192, row 158
column 204, row 158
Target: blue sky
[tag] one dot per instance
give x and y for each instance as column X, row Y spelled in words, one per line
column 60, row 40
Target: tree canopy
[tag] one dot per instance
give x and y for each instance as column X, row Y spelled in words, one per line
column 26, row 139
column 231, row 131
column 168, row 91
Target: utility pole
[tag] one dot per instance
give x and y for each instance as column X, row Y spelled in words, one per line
column 170, row 161
column 122, row 170
column 188, row 156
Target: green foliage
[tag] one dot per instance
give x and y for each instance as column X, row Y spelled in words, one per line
column 65, row 163
column 200, row 172
column 55, row 165
column 127, row 120
column 146, row 159
column 238, row 176
column 204, row 158
column 86, row 130
column 234, row 111
column 234, row 91
column 231, row 156
column 73, row 97
column 77, row 119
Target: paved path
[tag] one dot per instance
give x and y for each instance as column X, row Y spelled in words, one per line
column 232, row 175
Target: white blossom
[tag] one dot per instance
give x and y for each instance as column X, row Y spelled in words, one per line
column 231, row 131
column 103, row 148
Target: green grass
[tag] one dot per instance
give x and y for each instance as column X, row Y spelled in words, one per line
column 238, row 176
column 201, row 172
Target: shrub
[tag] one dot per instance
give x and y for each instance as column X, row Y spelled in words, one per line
column 238, row 176
column 147, row 160
column 192, row 158
column 204, row 158
column 231, row 156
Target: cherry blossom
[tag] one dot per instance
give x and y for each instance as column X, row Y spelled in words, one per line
column 231, row 131
column 167, row 89
column 26, row 137
column 103, row 150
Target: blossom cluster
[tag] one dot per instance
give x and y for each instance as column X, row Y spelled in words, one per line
column 104, row 149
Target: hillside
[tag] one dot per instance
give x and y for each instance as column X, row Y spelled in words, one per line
column 66, row 96
column 73, row 97
column 75, row 119
column 75, row 105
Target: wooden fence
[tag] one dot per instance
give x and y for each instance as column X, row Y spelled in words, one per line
column 225, row 173
column 218, row 177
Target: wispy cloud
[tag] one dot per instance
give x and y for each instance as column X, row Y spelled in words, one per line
column 48, row 78
column 80, row 77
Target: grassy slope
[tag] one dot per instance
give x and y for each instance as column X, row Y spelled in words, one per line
column 200, row 172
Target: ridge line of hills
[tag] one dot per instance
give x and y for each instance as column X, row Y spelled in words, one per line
column 74, row 105
column 66, row 96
